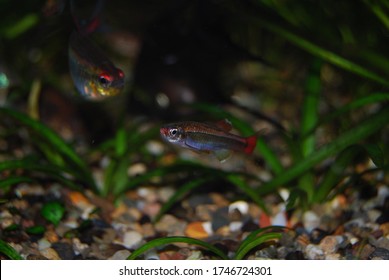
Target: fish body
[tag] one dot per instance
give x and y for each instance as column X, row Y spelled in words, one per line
column 93, row 74
column 204, row 137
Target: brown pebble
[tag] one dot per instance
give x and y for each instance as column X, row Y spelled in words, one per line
column 329, row 244
column 196, row 230
column 385, row 228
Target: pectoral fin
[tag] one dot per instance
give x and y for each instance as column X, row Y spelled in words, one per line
column 222, row 155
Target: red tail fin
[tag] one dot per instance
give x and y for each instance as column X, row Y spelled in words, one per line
column 251, row 142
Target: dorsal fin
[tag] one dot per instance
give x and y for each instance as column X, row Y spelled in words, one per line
column 224, row 125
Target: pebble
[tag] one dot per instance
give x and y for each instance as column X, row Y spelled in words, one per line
column 136, row 169
column 165, row 193
column 80, row 248
column 330, row 243
column 220, row 218
column 155, row 148
column 279, row 219
column 332, row 257
column 383, row 242
column 380, row 254
column 314, row 252
column 310, row 220
column 385, row 229
column 50, row 254
column 241, row 206
column 196, row 255
column 235, row 226
column 64, row 250
column 151, row 209
column 171, row 225
column 148, row 194
column 196, row 230
column 120, row 255
column 131, row 239
column 204, row 212
column 43, row 244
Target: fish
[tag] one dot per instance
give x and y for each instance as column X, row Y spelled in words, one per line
column 208, row 138
column 93, row 74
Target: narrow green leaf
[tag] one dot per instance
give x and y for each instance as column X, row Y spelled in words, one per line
column 21, row 26
column 367, row 127
column 14, row 180
column 376, row 154
column 10, row 252
column 335, row 172
column 57, row 173
column 318, row 51
column 58, row 144
column 121, row 142
column 175, row 239
column 310, row 114
column 248, row 246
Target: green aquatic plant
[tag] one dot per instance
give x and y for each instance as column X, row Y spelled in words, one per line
column 253, row 240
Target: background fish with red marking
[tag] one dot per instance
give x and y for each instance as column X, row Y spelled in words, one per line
column 209, row 138
column 93, row 74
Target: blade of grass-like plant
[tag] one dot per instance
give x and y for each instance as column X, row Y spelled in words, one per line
column 360, row 102
column 256, row 242
column 367, row 127
column 179, row 194
column 10, row 252
column 52, row 171
column 309, row 119
column 316, row 50
column 49, row 136
column 13, row 180
column 253, row 235
column 310, row 113
column 176, row 239
column 380, row 13
column 333, row 175
column 262, row 148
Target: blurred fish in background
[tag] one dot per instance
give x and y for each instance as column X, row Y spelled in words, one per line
column 93, row 73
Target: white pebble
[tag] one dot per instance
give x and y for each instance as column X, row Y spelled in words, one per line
column 235, row 226
column 120, row 255
column 131, row 239
column 240, row 205
column 310, row 220
column 314, row 252
column 207, row 226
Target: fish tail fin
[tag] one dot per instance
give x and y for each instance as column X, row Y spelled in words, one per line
column 251, row 142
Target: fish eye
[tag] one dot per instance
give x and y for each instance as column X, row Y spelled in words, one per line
column 105, row 79
column 173, row 131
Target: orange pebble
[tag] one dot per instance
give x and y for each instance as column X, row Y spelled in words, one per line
column 196, row 230
column 77, row 198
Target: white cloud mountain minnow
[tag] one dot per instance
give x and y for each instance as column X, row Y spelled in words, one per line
column 204, row 137
column 93, row 74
